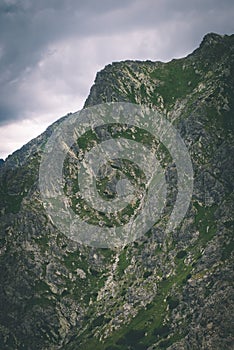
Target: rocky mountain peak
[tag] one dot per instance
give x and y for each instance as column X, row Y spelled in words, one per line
column 211, row 39
column 163, row 291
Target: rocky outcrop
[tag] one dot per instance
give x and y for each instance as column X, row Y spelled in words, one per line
column 162, row 291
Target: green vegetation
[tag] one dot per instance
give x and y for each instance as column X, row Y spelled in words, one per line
column 123, row 262
column 204, row 221
column 15, row 185
column 227, row 250
column 172, row 302
column 148, row 326
column 176, row 81
column 162, row 331
column 147, row 274
column 181, row 254
column 152, row 318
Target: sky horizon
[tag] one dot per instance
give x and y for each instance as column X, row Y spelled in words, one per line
column 50, row 51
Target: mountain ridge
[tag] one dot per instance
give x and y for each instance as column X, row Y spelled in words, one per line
column 162, row 291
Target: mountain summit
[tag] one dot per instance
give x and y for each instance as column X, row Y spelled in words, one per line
column 163, row 291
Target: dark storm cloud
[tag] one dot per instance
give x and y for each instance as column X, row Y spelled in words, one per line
column 27, row 27
column 50, row 49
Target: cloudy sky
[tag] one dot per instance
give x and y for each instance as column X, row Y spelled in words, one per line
column 50, row 50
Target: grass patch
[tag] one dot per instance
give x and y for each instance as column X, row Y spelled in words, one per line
column 150, row 318
column 123, row 262
column 176, row 81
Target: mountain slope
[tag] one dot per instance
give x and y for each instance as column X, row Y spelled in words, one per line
column 163, row 291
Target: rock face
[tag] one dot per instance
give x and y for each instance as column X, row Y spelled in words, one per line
column 163, row 291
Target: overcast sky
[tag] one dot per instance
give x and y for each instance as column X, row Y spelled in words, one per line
column 50, row 50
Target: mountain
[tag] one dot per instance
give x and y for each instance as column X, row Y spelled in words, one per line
column 166, row 290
